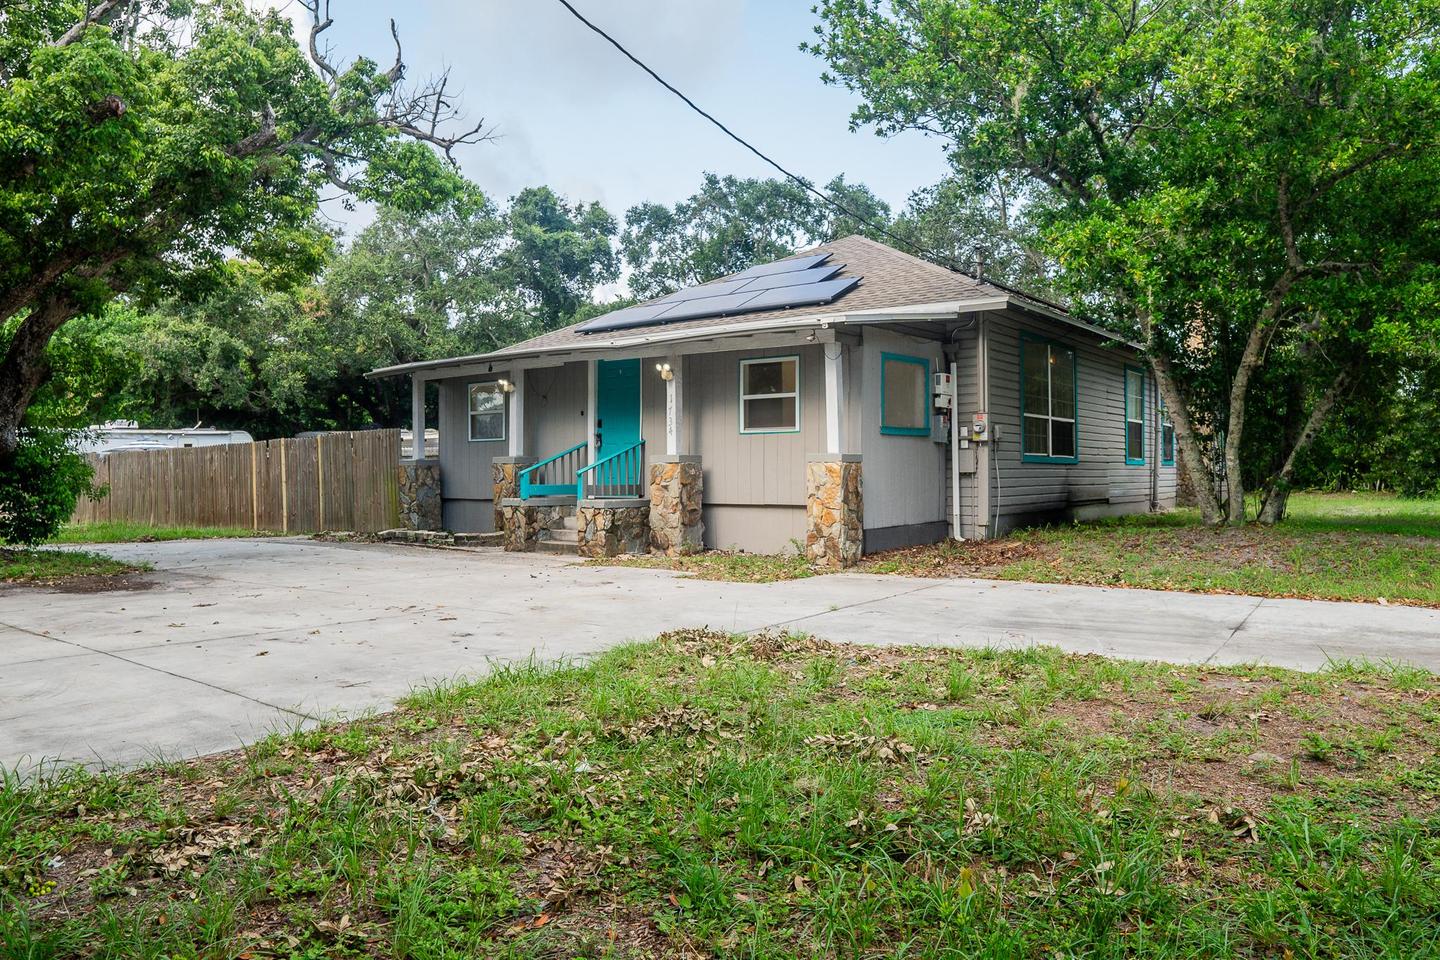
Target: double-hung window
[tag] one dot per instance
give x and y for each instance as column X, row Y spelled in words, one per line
column 487, row 411
column 1167, row 436
column 770, row 395
column 1134, row 415
column 1047, row 402
column 904, row 395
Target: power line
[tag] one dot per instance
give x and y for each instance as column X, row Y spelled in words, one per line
column 804, row 183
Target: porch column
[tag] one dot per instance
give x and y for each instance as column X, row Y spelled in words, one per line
column 675, row 444
column 516, row 432
column 835, row 439
column 417, row 417
column 834, row 501
column 420, row 495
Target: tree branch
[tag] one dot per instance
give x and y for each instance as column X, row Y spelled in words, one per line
column 97, row 13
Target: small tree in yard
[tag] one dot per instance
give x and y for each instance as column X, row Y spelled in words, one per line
column 1249, row 190
column 142, row 142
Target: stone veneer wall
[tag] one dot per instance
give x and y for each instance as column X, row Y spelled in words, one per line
column 505, row 475
column 420, row 502
column 610, row 529
column 677, row 494
column 526, row 524
column 834, row 511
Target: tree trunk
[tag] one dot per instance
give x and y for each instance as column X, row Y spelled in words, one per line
column 1191, row 460
column 1277, row 491
column 25, row 368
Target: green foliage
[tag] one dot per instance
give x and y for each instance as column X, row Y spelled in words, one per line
column 39, row 486
column 731, row 224
column 1248, row 190
column 251, row 350
column 140, row 153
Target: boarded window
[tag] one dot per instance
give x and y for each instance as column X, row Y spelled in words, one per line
column 904, row 395
column 770, row 395
column 487, row 412
column 1134, row 415
column 1047, row 401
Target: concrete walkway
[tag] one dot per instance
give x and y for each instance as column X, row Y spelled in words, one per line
column 231, row 639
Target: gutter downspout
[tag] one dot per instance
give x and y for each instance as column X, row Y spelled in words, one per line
column 982, row 450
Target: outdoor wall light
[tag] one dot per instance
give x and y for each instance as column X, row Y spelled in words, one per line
column 505, row 386
column 665, row 372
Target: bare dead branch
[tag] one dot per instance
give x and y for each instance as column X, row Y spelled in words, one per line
column 97, row 13
column 397, row 72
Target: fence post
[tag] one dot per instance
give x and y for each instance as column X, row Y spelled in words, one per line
column 320, row 482
column 254, row 492
column 284, row 492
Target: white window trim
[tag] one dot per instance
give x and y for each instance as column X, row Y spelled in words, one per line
column 792, row 358
column 492, row 386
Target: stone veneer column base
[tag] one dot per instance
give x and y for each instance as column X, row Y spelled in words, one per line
column 834, row 510
column 505, row 475
column 608, row 528
column 420, row 495
column 677, row 494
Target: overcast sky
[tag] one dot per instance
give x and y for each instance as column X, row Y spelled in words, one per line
column 572, row 113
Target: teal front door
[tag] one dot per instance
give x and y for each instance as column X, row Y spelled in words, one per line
column 617, row 406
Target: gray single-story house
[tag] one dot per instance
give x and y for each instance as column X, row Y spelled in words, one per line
column 851, row 398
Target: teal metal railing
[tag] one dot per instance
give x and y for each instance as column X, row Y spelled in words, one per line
column 555, row 476
column 619, row 475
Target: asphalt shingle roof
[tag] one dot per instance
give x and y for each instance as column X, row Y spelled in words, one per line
column 889, row 278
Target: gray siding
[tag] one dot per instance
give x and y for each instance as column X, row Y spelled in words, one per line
column 555, row 402
column 465, row 479
column 1101, row 482
column 752, row 469
column 904, row 477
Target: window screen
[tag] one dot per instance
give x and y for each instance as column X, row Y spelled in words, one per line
column 770, row 395
column 905, row 395
column 487, row 412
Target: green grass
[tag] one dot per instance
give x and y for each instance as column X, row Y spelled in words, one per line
column 123, row 531
column 727, row 565
column 19, row 565
column 772, row 796
column 1333, row 546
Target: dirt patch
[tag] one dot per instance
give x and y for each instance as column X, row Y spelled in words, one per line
column 86, row 583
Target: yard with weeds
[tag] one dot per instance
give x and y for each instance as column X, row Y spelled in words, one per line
column 1355, row 546
column 32, row 566
column 771, row 796
column 125, row 531
column 1331, row 547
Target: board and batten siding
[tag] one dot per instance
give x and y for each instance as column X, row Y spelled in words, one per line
column 466, row 484
column 754, row 482
column 904, row 477
column 1101, row 482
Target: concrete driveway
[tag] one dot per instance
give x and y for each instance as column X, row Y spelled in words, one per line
column 231, row 639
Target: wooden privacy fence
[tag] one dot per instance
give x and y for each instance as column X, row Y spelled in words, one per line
column 335, row 481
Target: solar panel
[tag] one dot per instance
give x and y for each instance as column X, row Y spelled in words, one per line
column 794, row 278
column 821, row 292
column 717, row 289
column 785, row 283
column 784, row 266
column 708, row 307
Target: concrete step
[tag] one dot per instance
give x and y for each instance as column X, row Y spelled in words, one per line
column 479, row 539
column 570, row 522
column 564, row 535
column 557, row 546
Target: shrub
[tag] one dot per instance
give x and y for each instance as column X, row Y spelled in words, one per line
column 40, row 485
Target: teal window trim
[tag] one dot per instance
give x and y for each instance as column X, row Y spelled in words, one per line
column 924, row 364
column 1167, row 449
column 1125, row 416
column 740, row 392
column 1034, row 340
